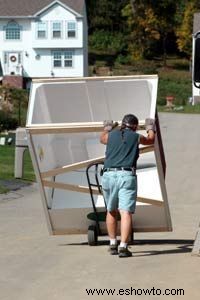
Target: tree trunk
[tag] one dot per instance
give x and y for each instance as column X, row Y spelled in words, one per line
column 164, row 50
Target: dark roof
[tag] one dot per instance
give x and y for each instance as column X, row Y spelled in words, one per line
column 31, row 7
column 196, row 22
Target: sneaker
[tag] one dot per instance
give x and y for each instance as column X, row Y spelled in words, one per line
column 124, row 252
column 113, row 249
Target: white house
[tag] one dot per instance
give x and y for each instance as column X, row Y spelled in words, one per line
column 43, row 38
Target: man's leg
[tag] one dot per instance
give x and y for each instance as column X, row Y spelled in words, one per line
column 127, row 202
column 126, row 226
column 111, row 222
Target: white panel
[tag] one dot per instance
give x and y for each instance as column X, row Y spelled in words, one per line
column 93, row 100
column 130, row 96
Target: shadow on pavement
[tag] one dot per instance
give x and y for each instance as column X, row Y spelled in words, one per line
column 183, row 246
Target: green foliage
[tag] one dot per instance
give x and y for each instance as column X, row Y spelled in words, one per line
column 174, row 83
column 184, row 31
column 14, row 101
column 106, row 41
column 7, row 121
column 194, row 109
column 105, row 14
column 19, row 98
column 141, row 28
column 122, row 60
column 149, row 22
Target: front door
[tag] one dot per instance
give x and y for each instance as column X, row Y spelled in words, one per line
column 13, row 63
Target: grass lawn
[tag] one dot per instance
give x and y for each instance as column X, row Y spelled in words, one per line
column 187, row 109
column 7, row 161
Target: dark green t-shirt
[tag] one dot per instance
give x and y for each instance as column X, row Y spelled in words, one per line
column 122, row 149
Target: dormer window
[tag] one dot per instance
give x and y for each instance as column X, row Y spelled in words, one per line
column 71, row 29
column 56, row 29
column 41, row 30
column 12, row 31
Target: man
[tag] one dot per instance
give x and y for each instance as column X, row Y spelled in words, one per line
column 119, row 181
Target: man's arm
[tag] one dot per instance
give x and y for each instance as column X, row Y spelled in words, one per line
column 149, row 139
column 150, row 128
column 108, row 126
column 104, row 137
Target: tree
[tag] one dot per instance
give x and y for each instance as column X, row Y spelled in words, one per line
column 184, row 31
column 134, row 12
column 12, row 102
column 150, row 22
column 19, row 98
column 106, row 25
column 105, row 15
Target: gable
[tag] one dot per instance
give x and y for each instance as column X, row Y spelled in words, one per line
column 57, row 12
column 24, row 8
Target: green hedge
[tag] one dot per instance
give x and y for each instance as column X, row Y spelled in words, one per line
column 107, row 41
column 7, row 122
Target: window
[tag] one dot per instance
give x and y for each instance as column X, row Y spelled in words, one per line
column 41, row 30
column 71, row 29
column 12, row 31
column 56, row 30
column 57, row 59
column 63, row 59
column 68, row 57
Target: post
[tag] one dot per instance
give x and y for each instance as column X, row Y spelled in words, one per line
column 169, row 101
column 20, row 146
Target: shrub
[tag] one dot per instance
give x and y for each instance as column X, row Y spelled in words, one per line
column 176, row 86
column 7, row 122
column 106, row 41
column 15, row 101
column 122, row 60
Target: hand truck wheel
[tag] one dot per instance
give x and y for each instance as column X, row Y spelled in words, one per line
column 92, row 235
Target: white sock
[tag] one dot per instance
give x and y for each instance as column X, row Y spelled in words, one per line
column 113, row 241
column 123, row 245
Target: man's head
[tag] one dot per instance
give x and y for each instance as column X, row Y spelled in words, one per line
column 130, row 121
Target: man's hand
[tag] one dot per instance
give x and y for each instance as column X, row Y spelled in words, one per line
column 109, row 125
column 150, row 124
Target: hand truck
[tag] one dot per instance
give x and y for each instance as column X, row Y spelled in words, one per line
column 94, row 230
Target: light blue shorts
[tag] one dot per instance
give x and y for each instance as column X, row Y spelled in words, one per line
column 120, row 190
